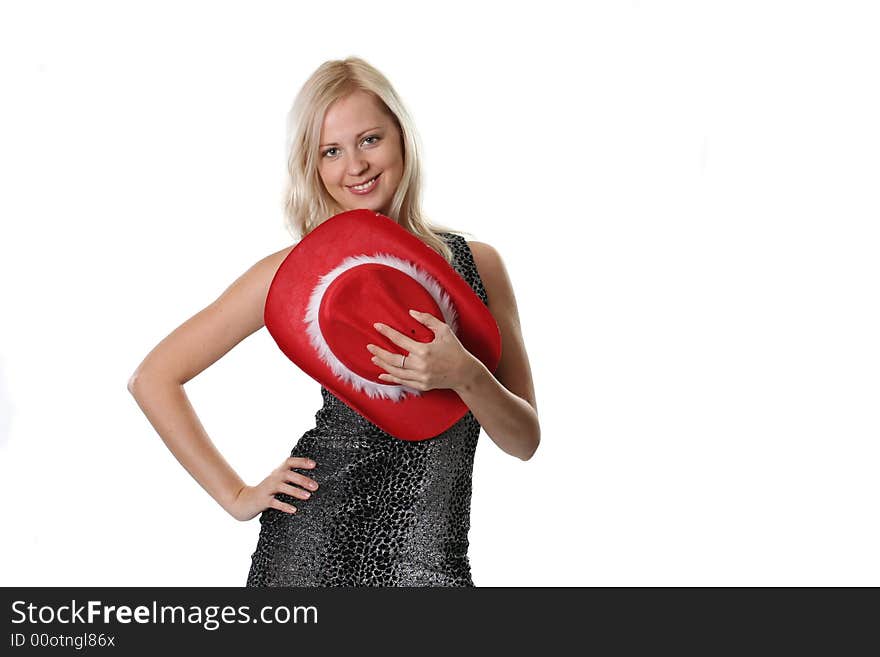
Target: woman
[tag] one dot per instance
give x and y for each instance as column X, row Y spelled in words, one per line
column 352, row 505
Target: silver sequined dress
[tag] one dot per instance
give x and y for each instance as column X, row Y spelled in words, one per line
column 387, row 512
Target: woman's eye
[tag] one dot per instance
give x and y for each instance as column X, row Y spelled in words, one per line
column 327, row 152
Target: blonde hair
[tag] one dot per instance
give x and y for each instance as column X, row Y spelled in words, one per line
column 306, row 201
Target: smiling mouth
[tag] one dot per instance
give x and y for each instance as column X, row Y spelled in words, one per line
column 366, row 185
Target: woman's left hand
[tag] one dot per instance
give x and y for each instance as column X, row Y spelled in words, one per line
column 441, row 363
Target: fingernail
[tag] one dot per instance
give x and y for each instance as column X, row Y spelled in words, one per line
column 377, row 325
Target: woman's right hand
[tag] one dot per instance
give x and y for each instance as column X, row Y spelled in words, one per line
column 252, row 500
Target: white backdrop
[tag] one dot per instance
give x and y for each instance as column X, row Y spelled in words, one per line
column 685, row 196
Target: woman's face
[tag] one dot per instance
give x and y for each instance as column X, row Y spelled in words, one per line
column 359, row 142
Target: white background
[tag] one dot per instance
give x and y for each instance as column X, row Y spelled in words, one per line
column 684, row 194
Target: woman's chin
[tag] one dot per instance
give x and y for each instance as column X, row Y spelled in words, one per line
column 366, row 204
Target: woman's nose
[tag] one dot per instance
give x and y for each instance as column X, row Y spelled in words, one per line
column 357, row 164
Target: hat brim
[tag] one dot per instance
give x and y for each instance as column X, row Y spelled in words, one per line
column 412, row 417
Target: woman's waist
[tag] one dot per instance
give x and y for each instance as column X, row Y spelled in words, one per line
column 358, row 471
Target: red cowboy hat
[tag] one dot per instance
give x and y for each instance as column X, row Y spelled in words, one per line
column 357, row 268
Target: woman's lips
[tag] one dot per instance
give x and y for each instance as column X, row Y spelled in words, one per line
column 367, row 190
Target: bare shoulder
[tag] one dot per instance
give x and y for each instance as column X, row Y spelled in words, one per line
column 213, row 331
column 494, row 275
column 482, row 250
column 246, row 296
column 264, row 270
column 254, row 284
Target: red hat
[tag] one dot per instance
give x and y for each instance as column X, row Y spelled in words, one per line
column 357, row 268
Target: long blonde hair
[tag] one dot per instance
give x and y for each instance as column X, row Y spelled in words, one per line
column 306, row 201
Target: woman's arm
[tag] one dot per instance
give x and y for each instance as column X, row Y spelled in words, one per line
column 157, row 383
column 503, row 404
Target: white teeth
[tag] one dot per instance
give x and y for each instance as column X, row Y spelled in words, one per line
column 365, row 185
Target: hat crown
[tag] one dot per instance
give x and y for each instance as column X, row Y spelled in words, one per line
column 362, row 290
column 366, row 294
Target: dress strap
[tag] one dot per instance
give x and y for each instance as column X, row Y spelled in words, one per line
column 464, row 264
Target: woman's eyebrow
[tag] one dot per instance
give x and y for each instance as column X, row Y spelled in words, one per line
column 333, row 143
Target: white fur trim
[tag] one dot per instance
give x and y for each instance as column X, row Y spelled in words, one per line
column 372, row 389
